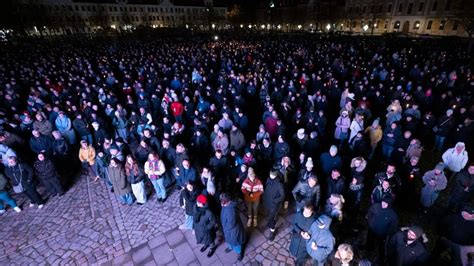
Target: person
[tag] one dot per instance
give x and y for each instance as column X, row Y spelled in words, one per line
column 87, row 158
column 155, row 170
column 40, row 143
column 307, row 170
column 273, row 198
column 60, row 151
column 185, row 174
column 442, row 129
column 21, row 178
column 334, row 206
column 117, row 176
column 463, row 188
column 356, row 188
column 102, row 163
column 5, row 153
column 301, row 234
column 330, row 161
column 383, row 222
column 344, row 256
column 46, row 172
column 434, row 181
column 252, row 188
column 205, row 225
column 391, row 136
column 307, row 193
column 321, row 243
column 343, row 122
column 232, row 227
column 64, row 126
column 5, row 196
column 187, row 200
column 135, row 178
column 456, row 158
column 335, row 183
column 375, row 134
column 391, row 176
column 456, row 231
column 380, row 191
column 407, row 247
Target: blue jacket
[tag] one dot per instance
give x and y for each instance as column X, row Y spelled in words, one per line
column 232, row 227
column 322, row 237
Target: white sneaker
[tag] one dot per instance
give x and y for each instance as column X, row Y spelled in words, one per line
column 249, row 221
column 255, row 222
column 31, row 205
column 17, row 209
column 40, row 206
column 2, row 211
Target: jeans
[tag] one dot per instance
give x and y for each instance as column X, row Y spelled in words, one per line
column 439, row 142
column 123, row 133
column 387, row 151
column 236, row 248
column 188, row 222
column 5, row 197
column 126, row 199
column 88, row 138
column 159, row 186
column 252, row 208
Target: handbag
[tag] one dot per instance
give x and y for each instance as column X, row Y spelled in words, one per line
column 18, row 188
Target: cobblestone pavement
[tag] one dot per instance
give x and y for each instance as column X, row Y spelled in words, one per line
column 87, row 225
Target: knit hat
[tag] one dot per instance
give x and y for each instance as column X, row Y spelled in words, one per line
column 333, row 148
column 439, row 167
column 449, row 112
column 309, row 162
column 376, row 122
column 202, row 199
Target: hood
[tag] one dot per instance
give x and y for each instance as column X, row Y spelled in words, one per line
column 418, row 231
column 460, row 144
column 324, row 220
column 362, row 165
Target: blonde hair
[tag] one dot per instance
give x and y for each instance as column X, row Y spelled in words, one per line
column 344, row 253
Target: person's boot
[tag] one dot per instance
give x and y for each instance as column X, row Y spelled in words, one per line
column 249, row 221
column 241, row 256
column 255, row 221
column 204, row 248
column 211, row 251
column 271, row 237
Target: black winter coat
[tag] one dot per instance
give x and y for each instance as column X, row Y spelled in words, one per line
column 335, row 186
column 273, row 195
column 298, row 244
column 383, row 222
column 232, row 227
column 42, row 143
column 400, row 253
column 45, row 169
column 60, row 147
column 204, row 224
column 188, row 199
column 21, row 172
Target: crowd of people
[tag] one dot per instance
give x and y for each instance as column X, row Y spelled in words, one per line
column 250, row 129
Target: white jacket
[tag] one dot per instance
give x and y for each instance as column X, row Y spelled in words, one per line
column 453, row 160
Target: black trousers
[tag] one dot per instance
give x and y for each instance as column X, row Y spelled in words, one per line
column 33, row 195
column 272, row 217
column 53, row 185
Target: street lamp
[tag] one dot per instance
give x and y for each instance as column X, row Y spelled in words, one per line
column 241, row 25
column 250, row 26
column 279, row 26
column 366, row 27
column 216, row 38
column 300, row 26
column 213, row 26
column 263, row 26
column 328, row 27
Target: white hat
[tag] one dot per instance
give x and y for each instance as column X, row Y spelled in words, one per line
column 351, row 96
column 309, row 162
column 300, row 133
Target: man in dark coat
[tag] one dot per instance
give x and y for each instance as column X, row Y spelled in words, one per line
column 300, row 234
column 118, row 178
column 21, row 173
column 204, row 224
column 463, row 189
column 456, row 231
column 383, row 222
column 330, row 160
column 335, row 183
column 232, row 227
column 407, row 247
column 322, row 241
column 40, row 143
column 307, row 192
column 273, row 197
column 46, row 172
column 185, row 174
column 187, row 201
column 60, row 151
column 82, row 128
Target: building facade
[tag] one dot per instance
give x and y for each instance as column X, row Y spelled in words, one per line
column 85, row 16
column 434, row 17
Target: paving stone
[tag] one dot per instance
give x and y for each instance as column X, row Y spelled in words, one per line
column 157, row 241
column 174, row 238
column 122, row 259
column 257, row 239
column 163, row 254
column 182, row 254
